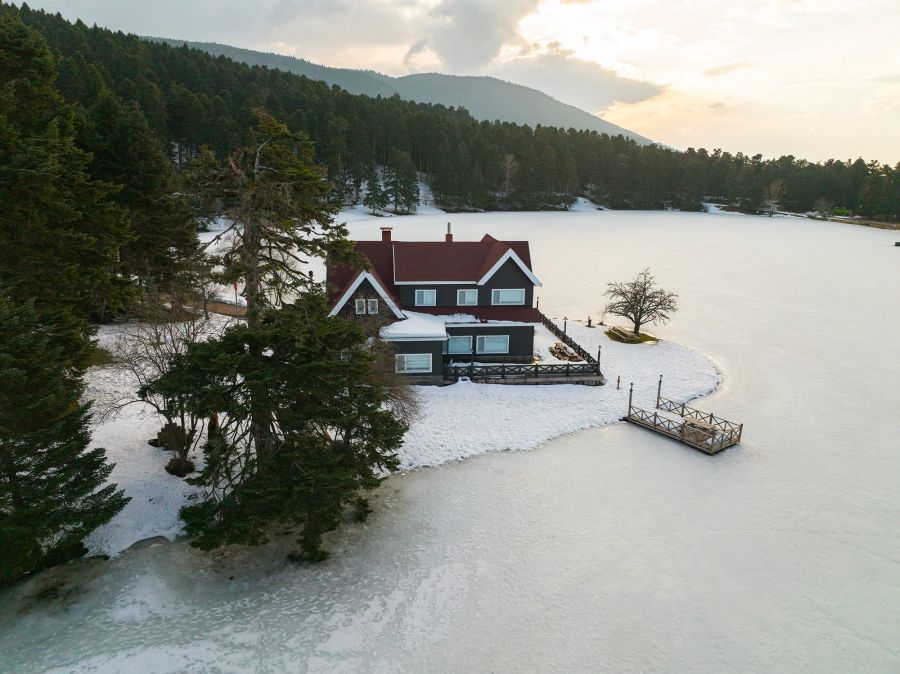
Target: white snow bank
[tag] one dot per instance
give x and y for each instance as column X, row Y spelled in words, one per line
column 583, row 204
column 467, row 419
column 139, row 469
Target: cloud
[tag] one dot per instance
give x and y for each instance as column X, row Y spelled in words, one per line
column 575, row 81
column 468, row 34
column 724, row 70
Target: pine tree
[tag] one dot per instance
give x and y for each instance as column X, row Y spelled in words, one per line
column 278, row 198
column 51, row 493
column 376, row 198
column 59, row 231
column 303, row 422
column 401, row 184
column 336, row 431
column 126, row 153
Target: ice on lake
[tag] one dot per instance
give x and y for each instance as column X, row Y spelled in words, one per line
column 606, row 550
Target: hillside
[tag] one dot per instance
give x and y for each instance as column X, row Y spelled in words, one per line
column 485, row 98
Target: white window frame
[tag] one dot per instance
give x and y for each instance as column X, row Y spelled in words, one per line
column 479, row 345
column 372, row 306
column 463, row 292
column 468, row 349
column 424, row 303
column 360, row 306
column 400, row 364
column 497, row 295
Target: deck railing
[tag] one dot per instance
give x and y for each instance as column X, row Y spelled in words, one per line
column 568, row 341
column 454, row 371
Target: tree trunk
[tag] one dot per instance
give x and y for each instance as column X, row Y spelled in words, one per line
column 637, row 328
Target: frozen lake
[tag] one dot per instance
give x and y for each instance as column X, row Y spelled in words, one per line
column 606, row 550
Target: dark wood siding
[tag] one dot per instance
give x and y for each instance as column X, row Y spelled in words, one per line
column 521, row 340
column 508, row 276
column 435, row 348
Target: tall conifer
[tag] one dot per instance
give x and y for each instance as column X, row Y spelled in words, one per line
column 51, row 493
column 59, row 232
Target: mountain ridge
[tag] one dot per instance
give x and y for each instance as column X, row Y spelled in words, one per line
column 484, row 97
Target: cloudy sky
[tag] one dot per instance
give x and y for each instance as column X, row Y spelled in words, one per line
column 813, row 78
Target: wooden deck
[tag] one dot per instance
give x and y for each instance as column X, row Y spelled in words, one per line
column 700, row 430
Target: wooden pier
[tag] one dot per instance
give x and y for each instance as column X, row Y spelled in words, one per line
column 701, row 430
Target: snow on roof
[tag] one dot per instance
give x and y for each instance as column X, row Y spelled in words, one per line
column 416, row 326
column 422, row 326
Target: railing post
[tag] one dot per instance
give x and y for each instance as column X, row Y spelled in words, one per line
column 599, row 349
column 658, row 390
column 567, row 368
column 502, row 370
column 740, row 430
column 565, row 323
column 630, row 392
column 471, row 368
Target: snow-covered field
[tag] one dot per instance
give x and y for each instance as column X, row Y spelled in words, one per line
column 606, row 550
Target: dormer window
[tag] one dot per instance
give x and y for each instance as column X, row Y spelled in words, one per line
column 467, row 297
column 426, row 298
column 508, row 296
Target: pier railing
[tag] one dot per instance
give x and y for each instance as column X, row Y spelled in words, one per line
column 709, row 418
column 701, row 430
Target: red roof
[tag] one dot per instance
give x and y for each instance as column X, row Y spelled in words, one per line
column 410, row 261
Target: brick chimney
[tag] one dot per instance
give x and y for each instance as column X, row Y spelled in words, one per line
column 386, row 233
column 448, row 237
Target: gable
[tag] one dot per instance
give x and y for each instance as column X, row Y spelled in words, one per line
column 507, row 275
column 371, row 281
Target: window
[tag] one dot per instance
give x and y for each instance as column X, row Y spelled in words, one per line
column 492, row 344
column 459, row 344
column 467, row 298
column 426, row 298
column 508, row 296
column 412, row 363
column 373, row 306
column 360, row 307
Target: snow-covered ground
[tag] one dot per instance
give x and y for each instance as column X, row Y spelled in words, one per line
column 510, row 417
column 522, row 416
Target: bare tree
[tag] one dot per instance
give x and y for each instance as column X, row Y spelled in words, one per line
column 510, row 165
column 641, row 301
column 773, row 194
column 146, row 350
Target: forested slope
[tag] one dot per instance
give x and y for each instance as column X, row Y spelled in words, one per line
column 190, row 98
